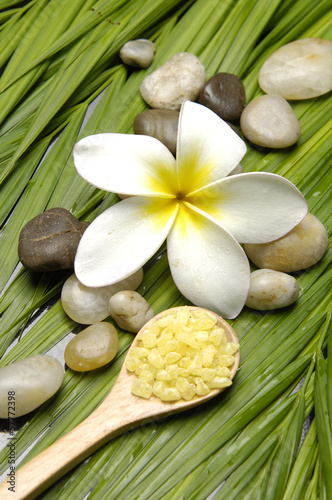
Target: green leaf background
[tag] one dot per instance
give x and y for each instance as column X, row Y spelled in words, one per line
column 56, row 58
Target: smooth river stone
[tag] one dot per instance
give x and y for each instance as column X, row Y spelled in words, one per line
column 33, row 380
column 88, row 305
column 269, row 121
column 130, row 310
column 298, row 70
column 181, row 77
column 138, row 53
column 302, row 247
column 159, row 123
column 224, row 94
column 92, row 348
column 271, row 290
column 49, row 241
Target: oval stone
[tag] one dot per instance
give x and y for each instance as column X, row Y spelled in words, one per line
column 159, row 123
column 138, row 53
column 88, row 305
column 299, row 70
column 271, row 290
column 181, row 77
column 130, row 310
column 92, row 348
column 302, row 247
column 224, row 94
column 269, row 121
column 49, row 241
column 32, row 381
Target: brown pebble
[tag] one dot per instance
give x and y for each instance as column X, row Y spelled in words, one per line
column 159, row 123
column 302, row 247
column 224, row 94
column 49, row 241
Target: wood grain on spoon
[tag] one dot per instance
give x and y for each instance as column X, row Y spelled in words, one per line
column 119, row 412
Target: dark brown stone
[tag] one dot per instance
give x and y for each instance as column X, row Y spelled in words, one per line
column 49, row 241
column 224, row 94
column 159, row 123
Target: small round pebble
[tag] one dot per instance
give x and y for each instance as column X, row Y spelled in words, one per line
column 88, row 305
column 302, row 247
column 138, row 53
column 224, row 94
column 130, row 310
column 49, row 241
column 269, row 121
column 299, row 70
column 181, row 77
column 271, row 290
column 28, row 383
column 159, row 123
column 92, row 348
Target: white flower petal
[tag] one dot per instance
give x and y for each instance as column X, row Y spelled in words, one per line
column 208, row 266
column 126, row 163
column 122, row 239
column 255, row 207
column 207, row 148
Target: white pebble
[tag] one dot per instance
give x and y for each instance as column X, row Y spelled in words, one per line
column 130, row 310
column 299, row 70
column 138, row 53
column 271, row 290
column 28, row 383
column 181, row 77
column 302, row 247
column 269, row 121
column 89, row 305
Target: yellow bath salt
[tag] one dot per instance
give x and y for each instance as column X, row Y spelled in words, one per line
column 183, row 354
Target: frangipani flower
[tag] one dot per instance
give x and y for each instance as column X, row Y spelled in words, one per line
column 190, row 201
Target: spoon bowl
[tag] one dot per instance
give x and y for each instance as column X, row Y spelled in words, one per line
column 119, row 412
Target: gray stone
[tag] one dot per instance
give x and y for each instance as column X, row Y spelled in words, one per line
column 302, row 247
column 299, row 70
column 270, row 121
column 159, row 123
column 224, row 94
column 138, row 53
column 271, row 290
column 49, row 241
column 181, row 77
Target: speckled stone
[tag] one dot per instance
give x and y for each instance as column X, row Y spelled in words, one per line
column 299, row 70
column 33, row 381
column 159, row 123
column 302, row 247
column 49, row 241
column 181, row 77
column 271, row 290
column 92, row 348
column 270, row 121
column 138, row 53
column 224, row 94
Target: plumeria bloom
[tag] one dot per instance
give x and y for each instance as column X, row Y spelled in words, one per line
column 190, row 201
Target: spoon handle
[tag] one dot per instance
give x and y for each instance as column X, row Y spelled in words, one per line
column 113, row 417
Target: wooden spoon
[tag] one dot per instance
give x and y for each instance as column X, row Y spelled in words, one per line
column 119, row 412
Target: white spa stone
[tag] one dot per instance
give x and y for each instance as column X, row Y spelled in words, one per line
column 30, row 382
column 181, row 77
column 270, row 121
column 88, row 305
column 130, row 310
column 138, row 53
column 302, row 247
column 299, row 70
column 271, row 290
